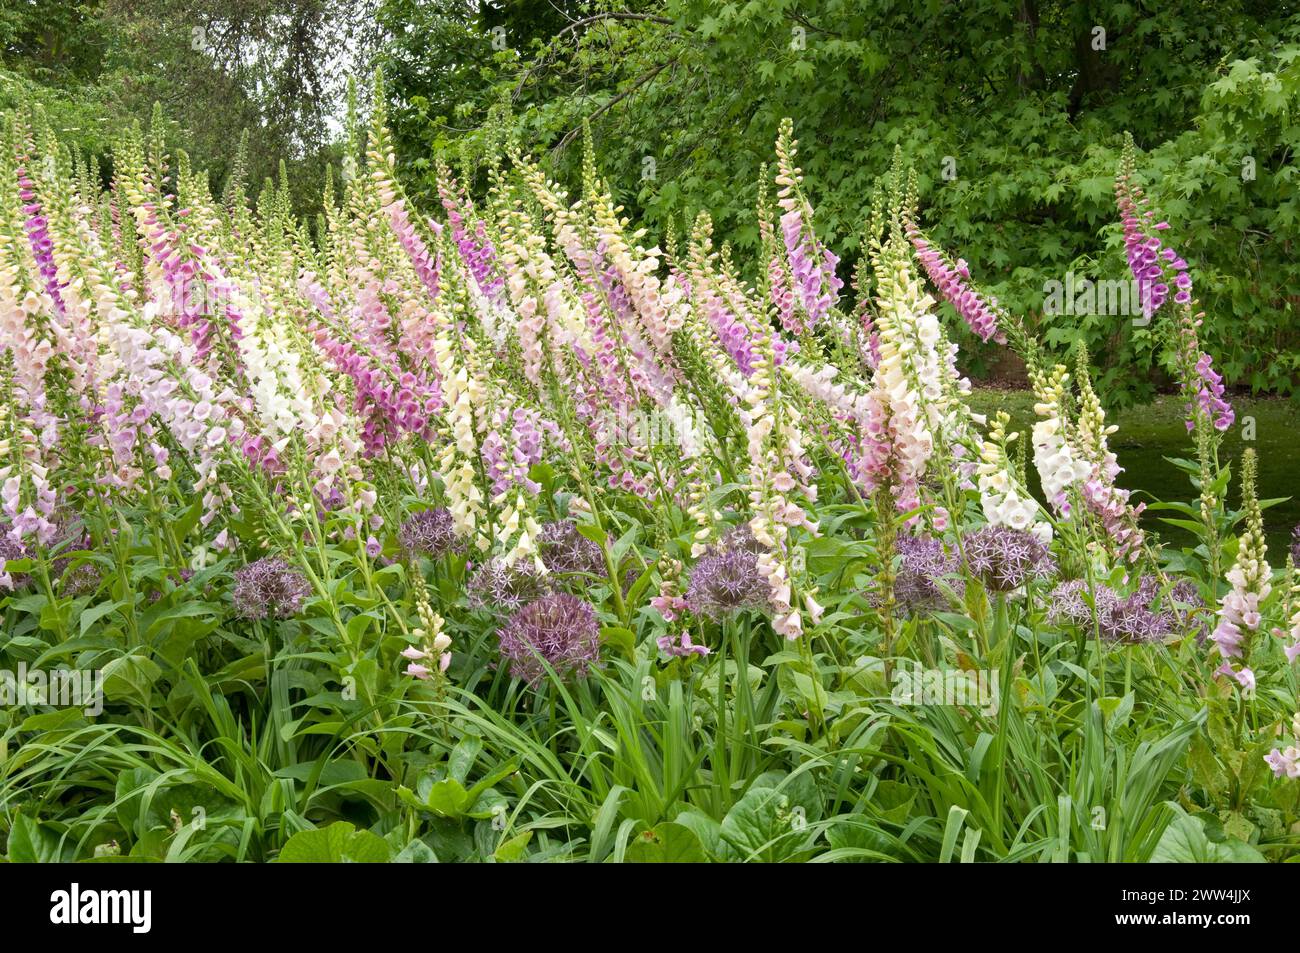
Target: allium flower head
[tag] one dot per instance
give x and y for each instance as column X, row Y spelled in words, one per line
column 1130, row 620
column 558, row 628
column 1006, row 559
column 1069, row 602
column 11, row 548
column 564, row 549
column 428, row 533
column 71, row 535
column 924, row 563
column 504, row 587
column 1144, row 615
column 726, row 579
column 1185, row 593
column 269, row 588
column 1295, row 544
column 80, row 581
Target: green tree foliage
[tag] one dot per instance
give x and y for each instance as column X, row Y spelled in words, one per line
column 1012, row 115
column 273, row 69
column 51, row 55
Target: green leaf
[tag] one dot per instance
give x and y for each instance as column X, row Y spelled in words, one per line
column 1185, row 841
column 956, row 818
column 130, row 676
column 594, row 533
column 54, row 720
column 416, row 852
column 340, row 843
column 358, row 626
column 762, row 825
column 513, row 849
column 445, row 798
column 666, row 843
column 462, row 758
column 620, row 638
column 33, row 842
column 94, row 613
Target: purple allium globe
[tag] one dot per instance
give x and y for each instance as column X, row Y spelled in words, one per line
column 182, row 577
column 1185, row 593
column 924, row 562
column 1132, row 620
column 1153, row 611
column 726, row 578
column 1069, row 602
column 1295, row 544
column 1006, row 559
column 11, row 548
column 269, row 588
column 70, row 535
column 1141, row 616
column 428, row 533
column 1152, row 593
column 558, row 628
column 80, row 581
column 504, row 587
column 564, row 549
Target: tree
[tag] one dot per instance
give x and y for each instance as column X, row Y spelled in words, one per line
column 1010, row 112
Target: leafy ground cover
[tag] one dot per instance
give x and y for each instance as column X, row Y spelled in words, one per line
column 501, row 531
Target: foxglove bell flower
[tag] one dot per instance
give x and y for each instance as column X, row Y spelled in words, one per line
column 1284, row 763
column 433, row 642
column 811, row 265
column 1249, row 578
column 1059, row 463
column 680, row 646
column 1156, row 268
column 953, row 282
column 1003, row 497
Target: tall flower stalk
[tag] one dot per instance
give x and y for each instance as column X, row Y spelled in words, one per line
column 1250, row 583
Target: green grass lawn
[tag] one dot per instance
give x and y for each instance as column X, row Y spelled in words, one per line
column 1152, row 432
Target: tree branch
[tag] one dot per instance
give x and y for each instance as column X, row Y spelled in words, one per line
column 578, row 24
column 641, row 81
